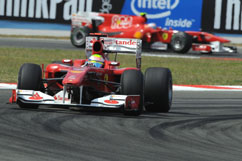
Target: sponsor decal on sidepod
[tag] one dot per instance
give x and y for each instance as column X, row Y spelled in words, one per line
column 121, row 22
column 123, row 42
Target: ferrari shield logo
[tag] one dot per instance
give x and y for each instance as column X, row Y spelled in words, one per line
column 165, row 36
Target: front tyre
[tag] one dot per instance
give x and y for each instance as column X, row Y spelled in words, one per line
column 78, row 36
column 158, row 90
column 30, row 78
column 132, row 84
column 181, row 42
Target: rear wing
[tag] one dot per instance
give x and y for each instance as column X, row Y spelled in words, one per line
column 117, row 45
column 85, row 18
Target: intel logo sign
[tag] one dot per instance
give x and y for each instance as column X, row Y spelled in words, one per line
column 154, row 8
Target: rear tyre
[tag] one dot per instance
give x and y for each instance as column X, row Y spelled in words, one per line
column 30, row 78
column 181, row 42
column 132, row 84
column 78, row 36
column 158, row 90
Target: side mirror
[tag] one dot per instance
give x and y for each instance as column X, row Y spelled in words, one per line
column 113, row 63
column 67, row 61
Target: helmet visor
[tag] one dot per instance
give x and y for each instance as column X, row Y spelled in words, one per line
column 96, row 64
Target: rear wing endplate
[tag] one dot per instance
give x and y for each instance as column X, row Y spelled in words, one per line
column 85, row 18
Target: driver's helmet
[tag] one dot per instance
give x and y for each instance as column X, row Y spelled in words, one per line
column 143, row 14
column 96, row 60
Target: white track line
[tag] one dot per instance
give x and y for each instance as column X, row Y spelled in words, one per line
column 206, row 88
column 175, row 87
column 8, row 85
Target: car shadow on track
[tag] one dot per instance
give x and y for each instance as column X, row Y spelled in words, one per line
column 102, row 112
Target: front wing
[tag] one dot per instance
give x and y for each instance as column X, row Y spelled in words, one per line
column 214, row 47
column 62, row 99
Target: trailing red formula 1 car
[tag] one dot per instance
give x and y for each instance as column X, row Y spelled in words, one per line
column 125, row 26
column 97, row 82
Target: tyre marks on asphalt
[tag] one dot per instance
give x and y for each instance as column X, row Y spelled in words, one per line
column 198, row 127
column 203, row 129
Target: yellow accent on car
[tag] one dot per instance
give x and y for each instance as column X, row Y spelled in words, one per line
column 106, row 77
column 165, row 36
column 118, row 22
column 138, row 35
column 76, row 71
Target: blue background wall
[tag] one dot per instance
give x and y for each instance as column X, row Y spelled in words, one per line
column 178, row 14
column 181, row 15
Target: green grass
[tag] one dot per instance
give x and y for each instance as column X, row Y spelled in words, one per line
column 36, row 37
column 184, row 71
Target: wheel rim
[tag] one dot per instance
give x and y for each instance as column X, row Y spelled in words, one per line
column 178, row 44
column 79, row 37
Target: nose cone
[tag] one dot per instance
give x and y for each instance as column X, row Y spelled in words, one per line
column 74, row 77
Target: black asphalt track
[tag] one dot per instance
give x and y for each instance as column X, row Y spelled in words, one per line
column 200, row 126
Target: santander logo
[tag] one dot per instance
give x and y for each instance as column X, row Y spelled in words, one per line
column 123, row 42
column 154, row 8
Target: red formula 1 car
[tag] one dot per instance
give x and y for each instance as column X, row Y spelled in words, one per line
column 80, row 83
column 125, row 26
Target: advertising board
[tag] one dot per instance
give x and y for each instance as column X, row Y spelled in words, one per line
column 177, row 14
column 57, row 11
column 222, row 16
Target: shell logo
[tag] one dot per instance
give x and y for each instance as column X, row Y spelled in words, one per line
column 154, row 8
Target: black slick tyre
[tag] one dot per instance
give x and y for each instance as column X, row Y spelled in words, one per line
column 158, row 89
column 132, row 84
column 30, row 78
column 181, row 42
column 78, row 36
